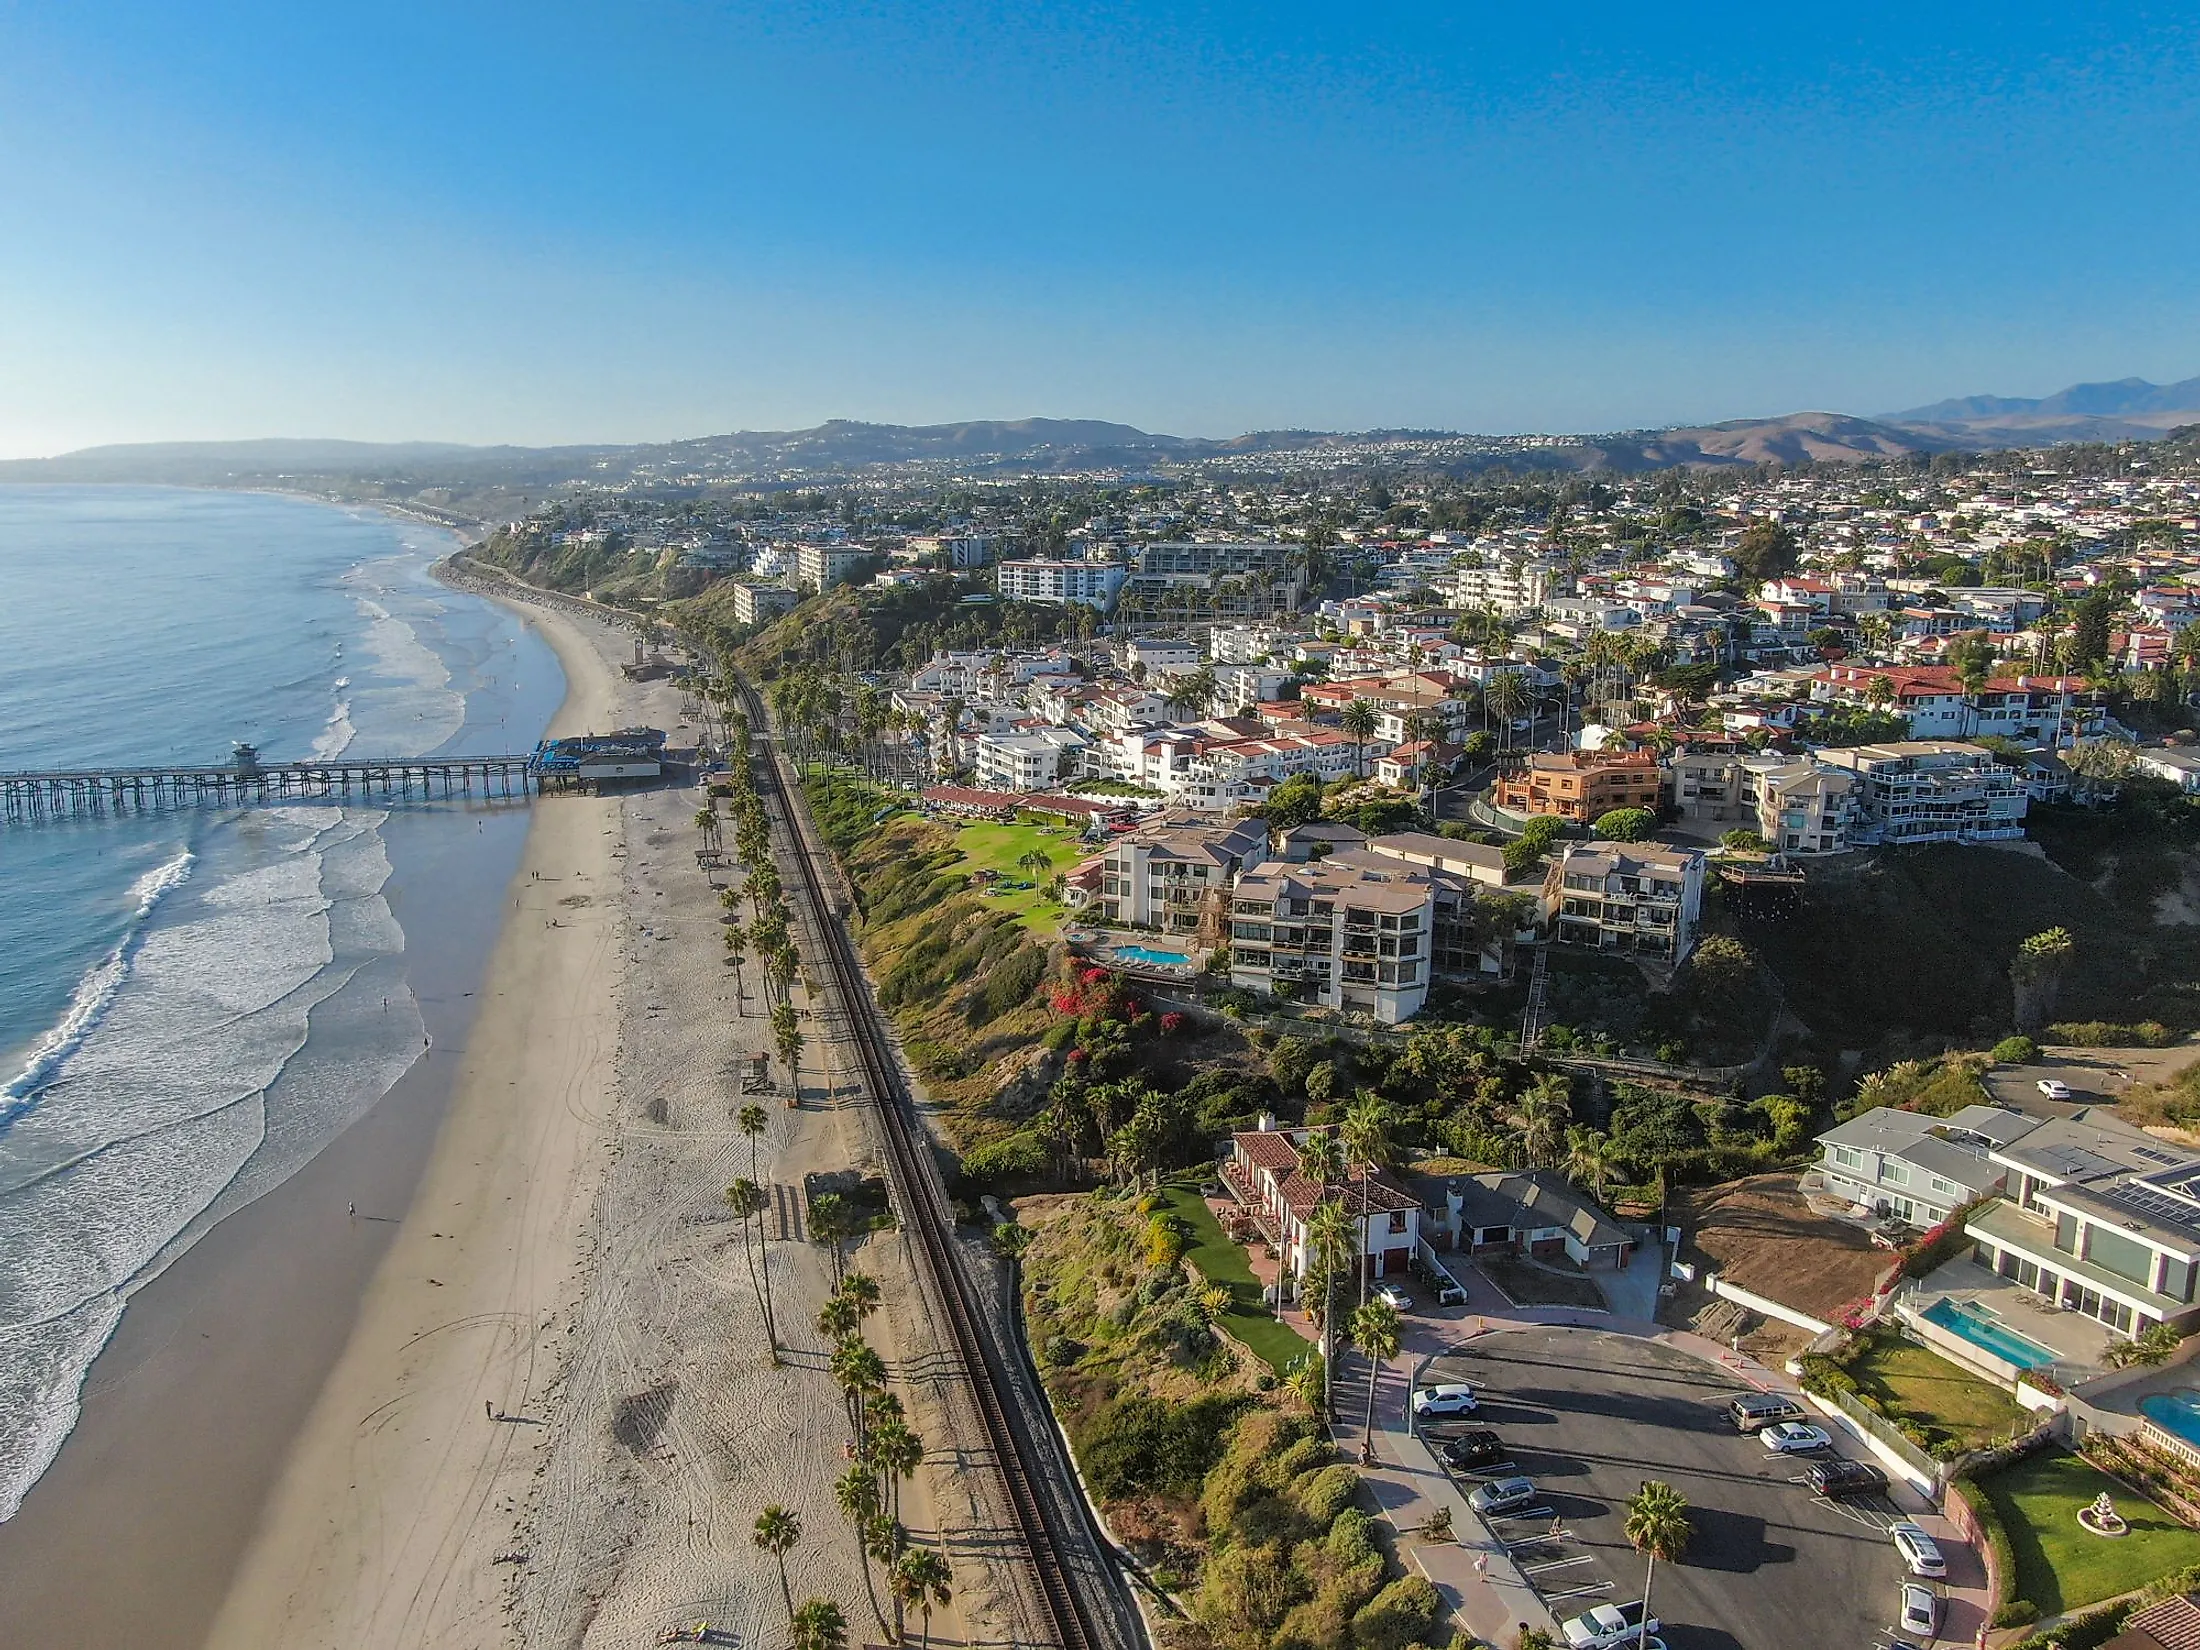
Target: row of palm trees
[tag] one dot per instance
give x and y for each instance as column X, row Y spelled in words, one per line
column 1326, row 1156
column 770, row 929
column 885, row 1450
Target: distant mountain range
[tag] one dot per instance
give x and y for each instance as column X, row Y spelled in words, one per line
column 2128, row 409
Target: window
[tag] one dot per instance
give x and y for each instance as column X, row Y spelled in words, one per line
column 1943, row 1185
column 1847, row 1156
column 1893, row 1173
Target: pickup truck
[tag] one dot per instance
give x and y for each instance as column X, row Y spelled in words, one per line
column 1607, row 1627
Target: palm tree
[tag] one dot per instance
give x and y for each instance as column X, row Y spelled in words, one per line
column 1506, row 694
column 737, row 947
column 1359, row 720
column 1656, row 1526
column 1365, row 1136
column 819, row 1625
column 1321, row 1157
column 777, row 1530
column 897, row 1452
column 1038, row 862
column 861, row 1372
column 750, row 1121
column 748, row 1202
column 706, row 821
column 921, row 1578
column 1374, row 1332
column 1587, row 1157
column 857, row 1494
column 1541, row 1117
column 836, row 1319
column 1328, row 1240
column 832, row 1222
column 861, row 1292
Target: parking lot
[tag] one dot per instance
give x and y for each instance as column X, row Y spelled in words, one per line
column 1589, row 1415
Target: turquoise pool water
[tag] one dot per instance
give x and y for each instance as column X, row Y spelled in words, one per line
column 1983, row 1329
column 2176, row 1413
column 1145, row 954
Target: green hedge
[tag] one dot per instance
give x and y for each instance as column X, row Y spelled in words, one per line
column 2008, row 1610
column 2110, row 1034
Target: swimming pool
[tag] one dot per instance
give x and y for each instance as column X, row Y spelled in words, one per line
column 1149, row 956
column 2176, row 1413
column 1982, row 1329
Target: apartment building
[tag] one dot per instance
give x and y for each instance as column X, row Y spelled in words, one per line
column 1916, row 1168
column 2032, row 710
column 1062, row 583
column 1640, row 898
column 1930, row 790
column 1342, row 932
column 760, row 603
column 821, row 566
column 1581, row 785
column 1510, row 587
column 1801, row 806
column 1175, row 873
column 2099, row 1219
column 1027, row 760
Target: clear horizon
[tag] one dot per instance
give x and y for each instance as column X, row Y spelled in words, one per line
column 539, row 226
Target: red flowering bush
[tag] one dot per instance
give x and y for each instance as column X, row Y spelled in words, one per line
column 1078, row 1056
column 1171, row 1023
column 1067, row 1002
column 1094, row 976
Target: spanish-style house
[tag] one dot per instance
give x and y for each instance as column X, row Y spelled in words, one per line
column 1262, row 1173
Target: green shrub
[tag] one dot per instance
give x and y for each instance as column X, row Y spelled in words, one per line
column 2109, row 1034
column 1401, row 1614
column 1011, row 982
column 1997, row 1540
column 1327, row 1492
column 1625, row 825
column 1021, row 1155
column 1825, row 1378
column 2016, row 1051
column 1134, row 1444
column 2018, row 1612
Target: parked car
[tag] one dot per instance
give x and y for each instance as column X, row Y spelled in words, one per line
column 1607, row 1627
column 1447, row 1398
column 1502, row 1495
column 1794, row 1438
column 1394, row 1298
column 1920, row 1610
column 1919, row 1551
column 1755, row 1411
column 1477, row 1448
column 2053, row 1088
column 1837, row 1476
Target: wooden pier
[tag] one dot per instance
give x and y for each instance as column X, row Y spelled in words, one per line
column 61, row 794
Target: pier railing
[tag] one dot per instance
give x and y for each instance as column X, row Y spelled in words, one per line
column 62, row 793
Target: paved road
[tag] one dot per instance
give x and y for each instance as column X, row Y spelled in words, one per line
column 1590, row 1415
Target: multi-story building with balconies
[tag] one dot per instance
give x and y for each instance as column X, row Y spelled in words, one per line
column 1931, row 790
column 1339, row 932
column 1641, row 898
column 1581, row 785
column 1175, row 873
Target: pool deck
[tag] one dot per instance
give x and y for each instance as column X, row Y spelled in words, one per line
column 2076, row 1340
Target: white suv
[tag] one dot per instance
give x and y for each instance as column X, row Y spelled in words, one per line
column 1451, row 1398
column 1919, row 1551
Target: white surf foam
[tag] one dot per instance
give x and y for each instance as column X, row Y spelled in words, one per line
column 96, row 991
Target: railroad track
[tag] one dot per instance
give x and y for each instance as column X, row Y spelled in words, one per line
column 1057, row 1537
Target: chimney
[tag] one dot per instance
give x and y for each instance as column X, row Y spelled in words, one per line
column 1265, row 1122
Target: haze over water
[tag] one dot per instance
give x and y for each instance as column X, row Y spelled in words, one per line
column 193, row 1003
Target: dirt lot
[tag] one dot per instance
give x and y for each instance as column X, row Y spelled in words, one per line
column 1758, row 1233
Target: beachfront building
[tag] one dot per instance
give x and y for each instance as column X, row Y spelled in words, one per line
column 1062, row 583
column 1918, row 1169
column 1637, row 898
column 1175, row 872
column 2100, row 1219
column 1931, row 790
column 1262, row 1174
column 2032, row 710
column 1348, row 932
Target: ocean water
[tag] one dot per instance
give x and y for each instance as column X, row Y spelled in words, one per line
column 194, row 1003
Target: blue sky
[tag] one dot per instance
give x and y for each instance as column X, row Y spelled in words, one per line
column 540, row 223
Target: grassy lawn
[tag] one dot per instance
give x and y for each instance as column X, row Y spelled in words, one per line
column 1906, row 1379
column 989, row 847
column 2059, row 1566
column 1218, row 1260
